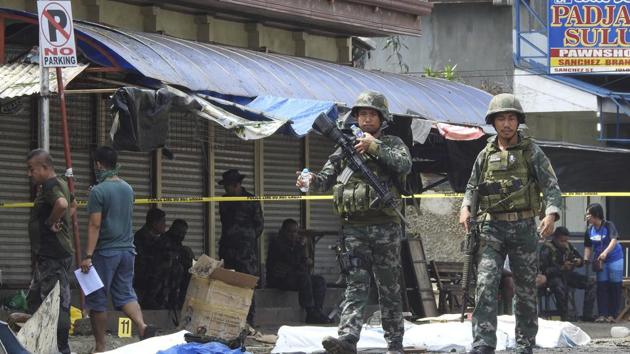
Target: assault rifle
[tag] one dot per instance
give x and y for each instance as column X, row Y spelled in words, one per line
column 356, row 163
column 471, row 245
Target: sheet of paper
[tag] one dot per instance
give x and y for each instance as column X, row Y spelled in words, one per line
column 90, row 281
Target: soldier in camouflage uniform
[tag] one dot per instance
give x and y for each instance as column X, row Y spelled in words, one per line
column 241, row 226
column 51, row 226
column 372, row 233
column 557, row 261
column 509, row 174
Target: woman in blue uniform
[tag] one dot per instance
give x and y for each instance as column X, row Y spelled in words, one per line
column 600, row 240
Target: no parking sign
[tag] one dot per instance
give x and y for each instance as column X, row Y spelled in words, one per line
column 56, row 34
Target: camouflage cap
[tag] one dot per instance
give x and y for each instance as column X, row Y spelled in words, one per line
column 504, row 102
column 374, row 100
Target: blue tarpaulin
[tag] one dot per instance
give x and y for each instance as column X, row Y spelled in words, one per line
column 201, row 348
column 301, row 112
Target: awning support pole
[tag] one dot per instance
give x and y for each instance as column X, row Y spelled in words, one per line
column 69, row 174
column 2, row 39
column 44, row 111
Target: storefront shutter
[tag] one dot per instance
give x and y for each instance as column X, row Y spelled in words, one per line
column 322, row 216
column 15, row 143
column 282, row 159
column 184, row 176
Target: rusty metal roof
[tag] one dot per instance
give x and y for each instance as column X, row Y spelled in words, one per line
column 23, row 79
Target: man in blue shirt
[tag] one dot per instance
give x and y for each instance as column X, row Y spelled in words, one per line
column 110, row 247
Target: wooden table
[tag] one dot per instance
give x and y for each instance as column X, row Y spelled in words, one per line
column 625, row 286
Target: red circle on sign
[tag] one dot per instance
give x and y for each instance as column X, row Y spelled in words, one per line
column 63, row 33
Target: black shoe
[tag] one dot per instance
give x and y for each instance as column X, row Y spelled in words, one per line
column 482, row 349
column 149, row 332
column 524, row 351
column 338, row 346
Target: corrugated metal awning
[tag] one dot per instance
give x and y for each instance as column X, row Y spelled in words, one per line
column 23, row 79
column 236, row 73
column 246, row 73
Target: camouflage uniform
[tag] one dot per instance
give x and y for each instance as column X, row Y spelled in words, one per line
column 551, row 258
column 517, row 237
column 241, row 226
column 53, row 255
column 372, row 237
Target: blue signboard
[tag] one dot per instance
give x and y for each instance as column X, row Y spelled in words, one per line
column 588, row 36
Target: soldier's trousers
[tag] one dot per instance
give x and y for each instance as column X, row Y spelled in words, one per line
column 560, row 286
column 373, row 249
column 47, row 272
column 243, row 260
column 518, row 239
column 311, row 288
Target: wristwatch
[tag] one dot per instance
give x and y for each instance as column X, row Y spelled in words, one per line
column 87, row 256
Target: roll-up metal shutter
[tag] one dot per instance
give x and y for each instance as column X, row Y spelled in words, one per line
column 322, row 216
column 184, row 176
column 80, row 110
column 282, row 159
column 135, row 166
column 16, row 119
column 231, row 152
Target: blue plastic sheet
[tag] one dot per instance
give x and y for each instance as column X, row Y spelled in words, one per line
column 301, row 112
column 201, row 348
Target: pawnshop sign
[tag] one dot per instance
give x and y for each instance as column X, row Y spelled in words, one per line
column 589, row 36
column 56, row 34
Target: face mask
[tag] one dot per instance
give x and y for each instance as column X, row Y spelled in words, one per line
column 101, row 175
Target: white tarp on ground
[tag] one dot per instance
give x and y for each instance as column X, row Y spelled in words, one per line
column 433, row 336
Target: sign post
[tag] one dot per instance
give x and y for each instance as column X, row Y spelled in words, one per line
column 57, row 49
column 589, row 36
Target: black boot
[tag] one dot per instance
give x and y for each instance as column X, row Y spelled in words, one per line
column 339, row 345
column 482, row 349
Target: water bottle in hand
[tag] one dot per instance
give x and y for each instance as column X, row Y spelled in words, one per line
column 357, row 131
column 305, row 177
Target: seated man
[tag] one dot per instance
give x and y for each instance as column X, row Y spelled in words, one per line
column 145, row 240
column 558, row 260
column 287, row 269
column 172, row 265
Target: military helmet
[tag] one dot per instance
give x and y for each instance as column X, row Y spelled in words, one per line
column 374, row 100
column 504, row 102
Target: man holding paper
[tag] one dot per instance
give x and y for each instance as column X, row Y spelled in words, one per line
column 110, row 247
column 50, row 230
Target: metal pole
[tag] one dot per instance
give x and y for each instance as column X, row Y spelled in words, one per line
column 69, row 174
column 44, row 110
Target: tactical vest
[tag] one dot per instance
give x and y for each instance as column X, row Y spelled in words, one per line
column 507, row 181
column 355, row 197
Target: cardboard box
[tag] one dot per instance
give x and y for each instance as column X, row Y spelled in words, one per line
column 218, row 305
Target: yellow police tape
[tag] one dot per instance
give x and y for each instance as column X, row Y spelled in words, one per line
column 275, row 198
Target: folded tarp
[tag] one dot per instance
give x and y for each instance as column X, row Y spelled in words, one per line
column 443, row 337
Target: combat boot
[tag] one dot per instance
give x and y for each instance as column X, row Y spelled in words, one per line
column 339, row 345
column 395, row 348
column 482, row 349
